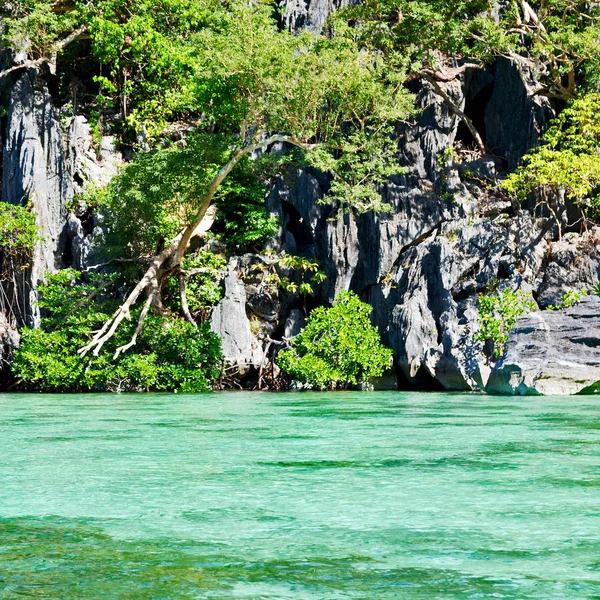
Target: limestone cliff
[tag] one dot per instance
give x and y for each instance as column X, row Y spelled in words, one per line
column 448, row 237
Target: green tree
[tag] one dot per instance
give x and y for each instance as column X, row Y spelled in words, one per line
column 338, row 346
column 18, row 236
column 255, row 86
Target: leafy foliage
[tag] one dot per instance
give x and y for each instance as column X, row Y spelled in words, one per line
column 231, row 70
column 171, row 354
column 338, row 346
column 294, row 274
column 498, row 314
column 568, row 159
column 203, row 271
column 570, row 298
column 559, row 38
column 18, row 230
column 34, row 26
column 154, row 196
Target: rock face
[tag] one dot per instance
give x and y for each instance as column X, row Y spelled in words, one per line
column 34, row 171
column 551, row 352
column 230, row 321
column 446, row 240
column 309, row 14
column 47, row 158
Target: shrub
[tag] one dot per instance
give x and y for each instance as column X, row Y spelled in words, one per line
column 338, row 347
column 18, row 231
column 498, row 315
column 570, row 298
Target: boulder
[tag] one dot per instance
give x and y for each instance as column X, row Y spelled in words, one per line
column 553, row 353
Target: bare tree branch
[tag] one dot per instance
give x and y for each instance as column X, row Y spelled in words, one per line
column 456, row 109
column 138, row 329
column 78, row 34
column 174, row 251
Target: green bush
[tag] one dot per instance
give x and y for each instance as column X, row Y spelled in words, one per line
column 498, row 314
column 170, row 354
column 338, row 347
column 18, row 230
column 570, row 298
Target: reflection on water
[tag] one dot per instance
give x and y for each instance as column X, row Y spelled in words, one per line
column 384, row 495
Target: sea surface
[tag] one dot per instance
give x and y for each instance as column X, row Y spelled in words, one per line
column 299, row 496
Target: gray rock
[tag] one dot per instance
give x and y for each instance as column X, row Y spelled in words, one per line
column 309, row 14
column 9, row 341
column 230, row 321
column 34, row 170
column 553, row 353
column 573, row 264
column 513, row 117
column 90, row 164
column 294, row 324
column 426, row 333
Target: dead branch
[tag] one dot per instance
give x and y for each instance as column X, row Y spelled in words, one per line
column 197, row 271
column 78, row 34
column 456, row 109
column 138, row 329
column 150, row 276
column 138, row 260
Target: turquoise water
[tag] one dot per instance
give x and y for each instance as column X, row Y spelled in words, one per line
column 334, row 495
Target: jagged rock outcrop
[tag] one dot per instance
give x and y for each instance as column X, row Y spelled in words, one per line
column 551, row 352
column 447, row 237
column 229, row 320
column 513, row 116
column 308, row 14
column 90, row 163
column 35, row 171
column 445, row 240
column 47, row 158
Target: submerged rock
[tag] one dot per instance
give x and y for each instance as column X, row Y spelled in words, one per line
column 551, row 353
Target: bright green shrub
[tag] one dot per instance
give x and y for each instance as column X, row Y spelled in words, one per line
column 498, row 314
column 338, row 347
column 170, row 354
column 568, row 158
column 570, row 298
column 18, row 230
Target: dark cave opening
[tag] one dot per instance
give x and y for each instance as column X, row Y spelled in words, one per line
column 299, row 229
column 475, row 110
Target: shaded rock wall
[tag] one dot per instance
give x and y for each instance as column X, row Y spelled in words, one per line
column 446, row 239
column 34, row 171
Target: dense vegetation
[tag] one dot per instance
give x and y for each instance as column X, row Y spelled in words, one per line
column 338, row 347
column 254, row 97
column 171, row 354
